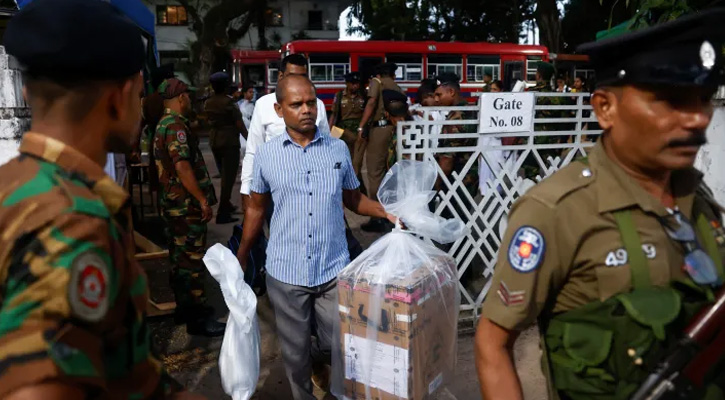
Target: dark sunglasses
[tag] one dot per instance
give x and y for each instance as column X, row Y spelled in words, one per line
column 698, row 263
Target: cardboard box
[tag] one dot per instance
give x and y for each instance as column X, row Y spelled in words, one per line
column 407, row 350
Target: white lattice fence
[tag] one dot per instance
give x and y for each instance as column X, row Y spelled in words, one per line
column 510, row 163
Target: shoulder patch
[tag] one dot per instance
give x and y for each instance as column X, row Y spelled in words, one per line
column 181, row 136
column 526, row 250
column 88, row 287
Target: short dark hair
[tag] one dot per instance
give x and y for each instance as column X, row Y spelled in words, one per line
column 294, row 59
column 487, row 74
column 220, row 86
column 246, row 87
column 583, row 79
column 82, row 96
column 453, row 85
column 497, row 83
column 427, row 87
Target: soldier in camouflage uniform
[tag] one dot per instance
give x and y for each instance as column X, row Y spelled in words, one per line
column 72, row 296
column 186, row 196
column 448, row 94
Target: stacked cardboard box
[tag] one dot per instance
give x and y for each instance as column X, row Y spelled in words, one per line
column 399, row 336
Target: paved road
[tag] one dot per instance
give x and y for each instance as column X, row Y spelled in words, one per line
column 193, row 360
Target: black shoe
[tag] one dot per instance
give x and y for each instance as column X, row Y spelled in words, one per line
column 183, row 315
column 206, row 326
column 375, row 225
column 225, row 219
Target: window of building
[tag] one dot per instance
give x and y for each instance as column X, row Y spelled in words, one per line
column 443, row 64
column 478, row 66
column 329, row 67
column 410, row 66
column 273, row 17
column 273, row 72
column 171, row 15
column 314, row 20
column 531, row 64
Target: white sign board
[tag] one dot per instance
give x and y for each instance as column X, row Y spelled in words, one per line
column 506, row 112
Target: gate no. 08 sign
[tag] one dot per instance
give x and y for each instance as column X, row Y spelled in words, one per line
column 506, row 112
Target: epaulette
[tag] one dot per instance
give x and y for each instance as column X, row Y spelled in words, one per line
column 562, row 183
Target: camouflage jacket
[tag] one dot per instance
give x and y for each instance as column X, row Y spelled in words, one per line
column 461, row 159
column 174, row 142
column 72, row 295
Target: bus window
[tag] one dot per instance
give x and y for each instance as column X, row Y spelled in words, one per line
column 444, row 63
column 329, row 67
column 410, row 66
column 478, row 66
column 272, row 72
column 253, row 74
column 531, row 64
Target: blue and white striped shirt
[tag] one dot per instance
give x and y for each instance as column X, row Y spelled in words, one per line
column 307, row 244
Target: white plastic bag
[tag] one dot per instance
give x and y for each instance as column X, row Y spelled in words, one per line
column 398, row 301
column 239, row 357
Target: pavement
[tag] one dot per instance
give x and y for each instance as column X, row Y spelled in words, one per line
column 193, row 361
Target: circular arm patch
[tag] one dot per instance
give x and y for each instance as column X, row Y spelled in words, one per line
column 526, row 250
column 88, row 287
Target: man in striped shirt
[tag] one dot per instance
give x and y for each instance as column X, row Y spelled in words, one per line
column 308, row 176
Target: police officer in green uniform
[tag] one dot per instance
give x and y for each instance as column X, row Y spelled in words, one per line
column 72, row 296
column 186, row 197
column 347, row 112
column 615, row 253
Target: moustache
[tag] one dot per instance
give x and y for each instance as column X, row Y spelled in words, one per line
column 697, row 139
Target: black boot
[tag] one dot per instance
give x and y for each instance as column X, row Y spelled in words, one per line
column 225, row 219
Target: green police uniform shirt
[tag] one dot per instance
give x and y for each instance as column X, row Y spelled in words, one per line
column 72, row 295
column 377, row 85
column 562, row 248
column 174, row 142
column 350, row 108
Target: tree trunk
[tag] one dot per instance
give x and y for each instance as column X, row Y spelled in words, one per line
column 547, row 17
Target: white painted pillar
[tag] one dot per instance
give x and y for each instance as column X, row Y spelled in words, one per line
column 14, row 113
column 711, row 160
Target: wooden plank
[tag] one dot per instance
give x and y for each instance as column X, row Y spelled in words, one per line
column 152, row 256
column 158, row 310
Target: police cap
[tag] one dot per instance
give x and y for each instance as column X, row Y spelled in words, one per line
column 352, row 77
column 395, row 103
column 219, row 77
column 74, row 40
column 685, row 52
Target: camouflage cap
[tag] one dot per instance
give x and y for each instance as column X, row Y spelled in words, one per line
column 173, row 87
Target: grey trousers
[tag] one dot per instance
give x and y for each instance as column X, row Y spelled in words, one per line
column 300, row 311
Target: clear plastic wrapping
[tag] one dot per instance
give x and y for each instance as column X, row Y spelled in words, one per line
column 396, row 334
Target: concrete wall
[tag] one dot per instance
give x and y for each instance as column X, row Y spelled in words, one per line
column 711, row 159
column 14, row 114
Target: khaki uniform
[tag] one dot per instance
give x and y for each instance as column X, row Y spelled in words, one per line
column 349, row 110
column 563, row 249
column 72, row 295
column 380, row 137
column 223, row 114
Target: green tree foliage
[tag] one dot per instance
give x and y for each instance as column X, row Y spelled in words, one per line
column 584, row 18
column 442, row 20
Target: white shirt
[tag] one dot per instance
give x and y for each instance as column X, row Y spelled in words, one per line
column 247, row 109
column 265, row 126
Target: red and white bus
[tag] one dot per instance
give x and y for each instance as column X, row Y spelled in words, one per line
column 255, row 67
column 331, row 60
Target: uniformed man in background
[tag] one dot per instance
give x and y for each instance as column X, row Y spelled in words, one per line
column 615, row 253
column 187, row 195
column 226, row 125
column 347, row 111
column 72, row 295
column 379, row 137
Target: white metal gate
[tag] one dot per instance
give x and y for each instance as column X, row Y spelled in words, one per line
column 513, row 163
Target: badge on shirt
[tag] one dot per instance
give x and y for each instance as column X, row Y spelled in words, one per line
column 508, row 297
column 718, row 232
column 526, row 250
column 619, row 257
column 88, row 287
column 181, row 136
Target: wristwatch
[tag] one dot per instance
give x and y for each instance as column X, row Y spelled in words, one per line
column 360, row 129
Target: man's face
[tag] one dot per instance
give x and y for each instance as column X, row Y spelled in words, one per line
column 445, row 96
column 655, row 129
column 495, row 89
column 352, row 87
column 394, row 120
column 249, row 94
column 429, row 100
column 487, row 79
column 299, row 107
column 293, row 69
column 578, row 84
column 185, row 101
column 560, row 82
column 539, row 77
column 125, row 120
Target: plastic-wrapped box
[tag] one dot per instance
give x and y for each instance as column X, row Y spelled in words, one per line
column 398, row 301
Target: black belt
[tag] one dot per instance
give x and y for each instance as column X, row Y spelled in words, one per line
column 381, row 123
